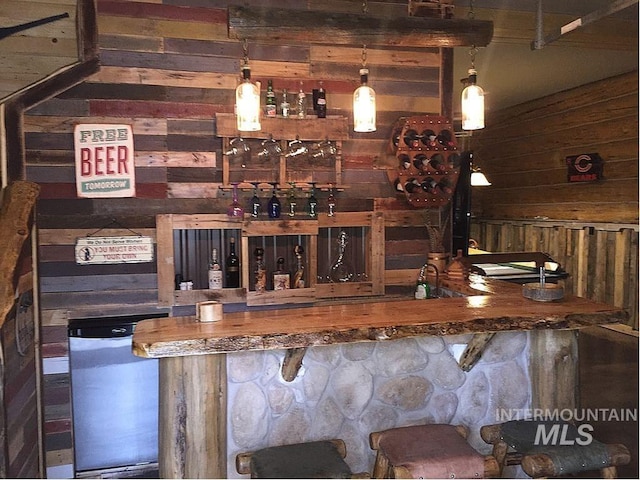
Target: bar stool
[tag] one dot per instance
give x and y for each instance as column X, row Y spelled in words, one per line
column 320, row 459
column 429, row 451
column 517, row 442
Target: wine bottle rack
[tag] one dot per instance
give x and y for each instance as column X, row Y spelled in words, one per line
column 428, row 160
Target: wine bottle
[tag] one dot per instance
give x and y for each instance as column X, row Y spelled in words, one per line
column 437, row 162
column 285, row 106
column 411, row 185
column 428, row 138
column 280, row 276
column 271, row 108
column 420, row 161
column 215, row 271
column 260, row 274
column 405, row 161
column 232, row 266
column 411, row 139
column 429, row 185
column 322, row 102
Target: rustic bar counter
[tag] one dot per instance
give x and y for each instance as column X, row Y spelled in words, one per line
column 193, row 367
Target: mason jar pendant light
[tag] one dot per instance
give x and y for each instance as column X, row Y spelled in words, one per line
column 364, row 97
column 472, row 103
column 247, row 99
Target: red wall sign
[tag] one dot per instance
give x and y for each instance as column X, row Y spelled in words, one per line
column 586, row 167
column 104, row 161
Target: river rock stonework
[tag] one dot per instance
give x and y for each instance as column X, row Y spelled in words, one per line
column 347, row 391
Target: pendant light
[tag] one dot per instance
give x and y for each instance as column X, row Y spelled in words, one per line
column 247, row 99
column 472, row 104
column 364, row 97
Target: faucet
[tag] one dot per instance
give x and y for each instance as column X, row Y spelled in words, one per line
column 426, row 267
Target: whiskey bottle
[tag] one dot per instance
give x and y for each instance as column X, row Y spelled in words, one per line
column 260, row 275
column 298, row 277
column 215, row 271
column 232, row 266
column 271, row 108
column 280, row 276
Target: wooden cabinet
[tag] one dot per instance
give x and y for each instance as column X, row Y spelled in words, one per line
column 185, row 243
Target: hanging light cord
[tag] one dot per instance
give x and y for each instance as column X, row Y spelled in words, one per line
column 245, row 51
column 473, row 50
column 365, row 10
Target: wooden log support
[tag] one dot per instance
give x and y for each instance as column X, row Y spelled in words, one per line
column 292, row 363
column 474, row 350
column 255, row 23
column 18, row 200
column 193, row 417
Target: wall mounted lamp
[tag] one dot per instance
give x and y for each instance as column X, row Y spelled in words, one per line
column 478, row 179
column 247, row 99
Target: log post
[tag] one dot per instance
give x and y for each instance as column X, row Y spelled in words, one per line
column 554, row 369
column 193, row 417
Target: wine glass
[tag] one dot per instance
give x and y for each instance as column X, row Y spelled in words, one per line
column 254, row 204
column 235, row 210
column 274, row 204
column 296, row 148
column 270, row 149
column 239, row 148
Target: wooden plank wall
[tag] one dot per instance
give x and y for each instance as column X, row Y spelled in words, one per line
column 167, row 68
column 590, row 228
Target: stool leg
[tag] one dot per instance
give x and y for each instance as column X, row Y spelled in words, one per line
column 381, row 467
column 500, row 454
column 609, row 472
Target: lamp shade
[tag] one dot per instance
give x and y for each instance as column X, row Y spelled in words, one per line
column 364, row 105
column 472, row 104
column 247, row 103
column 478, row 179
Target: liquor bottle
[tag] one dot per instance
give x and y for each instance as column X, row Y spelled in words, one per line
column 274, row 205
column 271, row 108
column 260, row 275
column 215, row 271
column 322, row 102
column 280, row 276
column 341, row 270
column 298, row 277
column 232, row 266
column 285, row 106
column 301, row 103
column 312, row 203
column 331, row 204
column 423, row 290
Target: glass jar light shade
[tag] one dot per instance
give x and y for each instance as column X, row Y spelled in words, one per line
column 364, row 106
column 472, row 104
column 247, row 104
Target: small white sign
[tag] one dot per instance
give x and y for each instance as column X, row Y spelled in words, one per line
column 103, row 250
column 104, row 161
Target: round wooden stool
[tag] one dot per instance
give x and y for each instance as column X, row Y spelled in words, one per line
column 552, row 448
column 321, row 459
column 429, row 451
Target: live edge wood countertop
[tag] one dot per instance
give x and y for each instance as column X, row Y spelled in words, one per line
column 491, row 306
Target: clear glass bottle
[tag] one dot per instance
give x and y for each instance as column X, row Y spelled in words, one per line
column 232, row 266
column 301, row 103
column 247, row 103
column 215, row 271
column 260, row 274
column 285, row 106
column 235, row 210
column 341, row 270
column 298, row 277
column 364, row 105
column 280, row 276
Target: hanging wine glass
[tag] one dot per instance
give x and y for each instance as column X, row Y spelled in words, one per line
column 271, row 149
column 255, row 207
column 239, row 148
column 296, row 148
column 291, row 200
column 331, row 203
column 324, row 149
column 235, row 210
column 341, row 270
column 274, row 204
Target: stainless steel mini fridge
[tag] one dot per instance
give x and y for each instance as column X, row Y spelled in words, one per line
column 114, row 396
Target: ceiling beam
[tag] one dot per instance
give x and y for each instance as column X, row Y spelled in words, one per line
column 307, row 26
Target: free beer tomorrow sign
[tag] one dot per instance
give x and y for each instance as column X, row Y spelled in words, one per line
column 104, row 161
